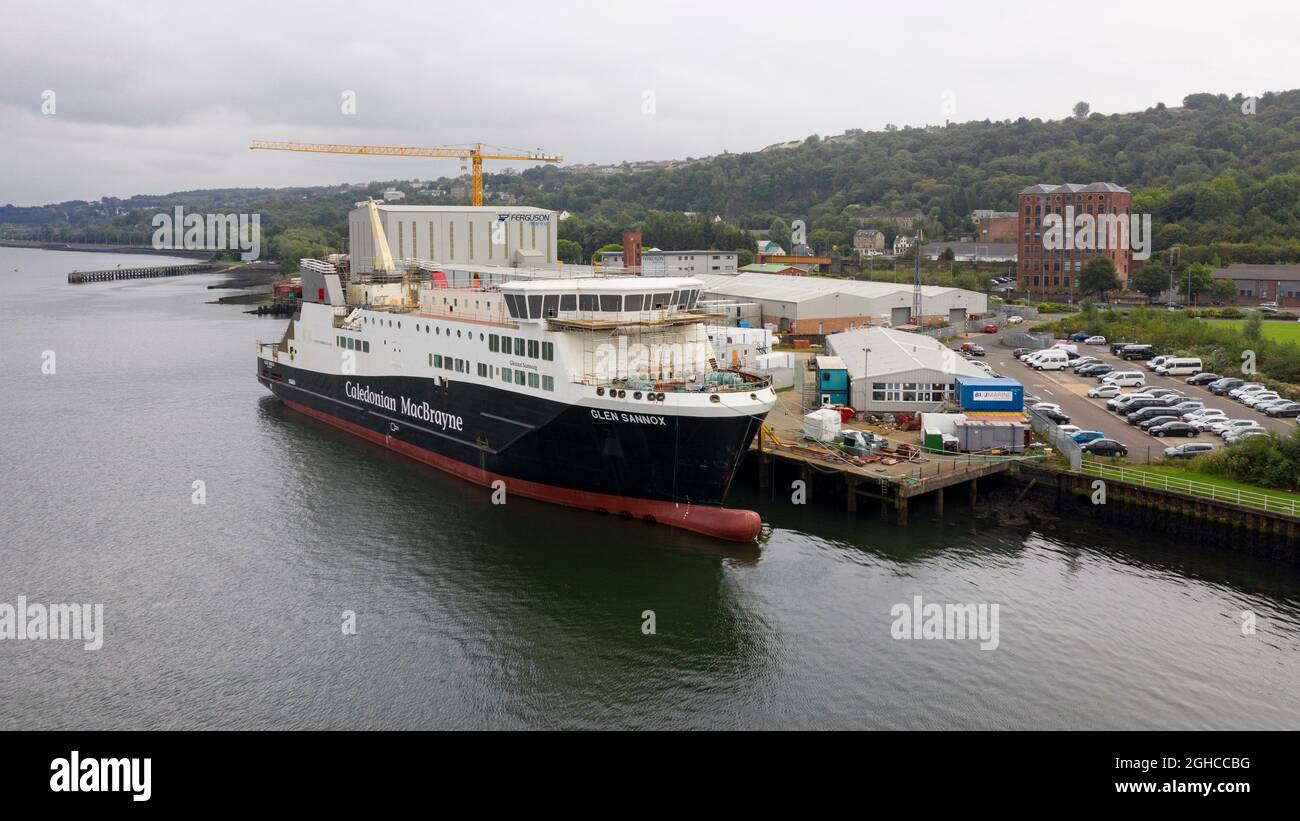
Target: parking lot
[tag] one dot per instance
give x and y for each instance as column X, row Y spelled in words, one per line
column 1070, row 392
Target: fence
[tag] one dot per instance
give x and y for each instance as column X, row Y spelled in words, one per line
column 1058, row 438
column 1203, row 490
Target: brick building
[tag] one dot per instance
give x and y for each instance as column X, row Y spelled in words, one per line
column 868, row 239
column 1263, row 283
column 995, row 226
column 1056, row 272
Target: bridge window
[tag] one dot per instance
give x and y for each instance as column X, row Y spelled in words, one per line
column 587, row 302
column 632, row 302
column 568, row 302
column 661, row 300
column 611, row 302
column 551, row 306
column 535, row 306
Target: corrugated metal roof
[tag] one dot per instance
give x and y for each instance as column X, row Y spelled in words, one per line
column 801, row 289
column 897, row 352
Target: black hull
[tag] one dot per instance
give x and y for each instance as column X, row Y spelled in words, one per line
column 637, row 453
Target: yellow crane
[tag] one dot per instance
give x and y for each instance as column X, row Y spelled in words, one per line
column 475, row 155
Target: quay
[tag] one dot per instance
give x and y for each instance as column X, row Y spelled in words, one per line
column 894, row 477
column 140, row 272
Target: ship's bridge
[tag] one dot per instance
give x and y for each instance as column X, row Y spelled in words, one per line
column 612, row 301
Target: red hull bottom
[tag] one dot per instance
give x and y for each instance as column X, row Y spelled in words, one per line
column 721, row 523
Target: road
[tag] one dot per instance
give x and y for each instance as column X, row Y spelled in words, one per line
column 1070, row 392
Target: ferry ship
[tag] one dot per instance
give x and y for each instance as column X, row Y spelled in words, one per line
column 599, row 392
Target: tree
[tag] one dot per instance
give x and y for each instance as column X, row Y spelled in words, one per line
column 1151, row 279
column 947, row 255
column 1253, row 330
column 779, row 232
column 1099, row 277
column 1223, row 290
column 1081, row 110
column 568, row 250
column 1198, row 273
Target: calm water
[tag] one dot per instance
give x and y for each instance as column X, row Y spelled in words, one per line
column 228, row 615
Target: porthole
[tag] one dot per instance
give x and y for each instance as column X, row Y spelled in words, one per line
column 600, row 391
column 622, row 394
column 636, row 395
column 714, row 398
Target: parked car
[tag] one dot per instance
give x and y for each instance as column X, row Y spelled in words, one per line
column 1157, row 390
column 1187, row 406
column 1095, row 369
column 1015, row 319
column 1174, row 428
column 1221, row 428
column 1290, row 410
column 1263, row 405
column 1154, row 421
column 1095, row 340
column 1137, row 351
column 1069, row 430
column 1084, row 360
column 1202, row 378
column 1019, row 352
column 1202, row 413
column 1254, row 398
column 1085, row 436
column 1057, row 416
column 1078, row 336
column 1233, row 437
column 976, row 350
column 1126, row 379
column 1249, row 387
column 1105, row 447
column 1205, row 424
column 1151, row 412
column 1188, row 450
column 1222, row 386
column 1268, row 309
column 1103, row 391
column 1155, row 362
column 990, row 329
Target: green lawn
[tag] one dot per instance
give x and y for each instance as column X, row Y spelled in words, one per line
column 1189, row 475
column 1280, row 331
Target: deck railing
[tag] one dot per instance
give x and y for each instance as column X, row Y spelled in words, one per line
column 1203, row 490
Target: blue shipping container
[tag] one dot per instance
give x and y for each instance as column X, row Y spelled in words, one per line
column 986, row 394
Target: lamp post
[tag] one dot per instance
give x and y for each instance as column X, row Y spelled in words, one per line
column 866, row 374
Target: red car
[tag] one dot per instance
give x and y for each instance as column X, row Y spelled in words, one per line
column 990, row 329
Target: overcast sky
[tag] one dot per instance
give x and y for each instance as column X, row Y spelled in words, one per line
column 159, row 97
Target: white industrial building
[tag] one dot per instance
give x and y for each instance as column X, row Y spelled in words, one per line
column 806, row 306
column 510, row 236
column 656, row 262
column 892, row 371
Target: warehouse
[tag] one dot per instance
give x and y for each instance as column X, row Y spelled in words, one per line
column 507, row 235
column 815, row 306
column 892, row 371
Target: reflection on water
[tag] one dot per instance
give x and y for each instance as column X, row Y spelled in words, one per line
column 229, row 614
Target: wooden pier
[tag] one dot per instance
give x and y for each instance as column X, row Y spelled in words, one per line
column 141, row 272
column 893, row 485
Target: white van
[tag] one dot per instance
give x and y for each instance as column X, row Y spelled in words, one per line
column 1053, row 359
column 1176, row 365
column 1125, row 379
